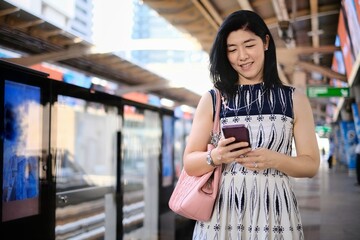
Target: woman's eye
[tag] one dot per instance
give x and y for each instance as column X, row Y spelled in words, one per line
column 231, row 50
column 249, row 46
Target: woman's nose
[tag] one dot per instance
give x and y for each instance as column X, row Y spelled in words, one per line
column 243, row 55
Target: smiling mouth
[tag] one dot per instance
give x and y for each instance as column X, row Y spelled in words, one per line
column 246, row 65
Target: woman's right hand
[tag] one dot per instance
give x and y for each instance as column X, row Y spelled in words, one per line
column 227, row 151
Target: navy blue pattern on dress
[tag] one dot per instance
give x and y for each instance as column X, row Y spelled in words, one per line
column 256, row 204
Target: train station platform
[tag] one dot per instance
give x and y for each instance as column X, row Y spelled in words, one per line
column 329, row 204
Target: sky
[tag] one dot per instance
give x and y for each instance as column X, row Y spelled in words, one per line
column 112, row 24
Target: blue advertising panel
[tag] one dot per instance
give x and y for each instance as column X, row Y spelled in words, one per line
column 355, row 110
column 21, row 153
column 77, row 79
column 348, row 134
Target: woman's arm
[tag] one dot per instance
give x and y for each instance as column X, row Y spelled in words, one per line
column 195, row 153
column 306, row 162
column 196, row 147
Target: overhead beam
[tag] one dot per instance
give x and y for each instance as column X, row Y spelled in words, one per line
column 72, row 52
column 143, row 88
column 19, row 24
column 245, row 5
column 308, row 50
column 23, row 25
column 9, row 11
column 188, row 13
column 65, row 41
column 156, row 4
column 280, row 10
column 290, row 56
column 305, row 14
column 212, row 11
column 310, row 67
column 315, row 28
column 206, row 14
column 45, row 34
column 282, row 16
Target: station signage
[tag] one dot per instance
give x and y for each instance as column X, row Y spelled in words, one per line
column 323, row 91
column 323, row 131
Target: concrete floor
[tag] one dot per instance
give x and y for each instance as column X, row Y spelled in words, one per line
column 329, row 204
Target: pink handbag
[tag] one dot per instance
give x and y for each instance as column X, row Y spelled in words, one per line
column 194, row 197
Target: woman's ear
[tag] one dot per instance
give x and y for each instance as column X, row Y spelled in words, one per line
column 266, row 44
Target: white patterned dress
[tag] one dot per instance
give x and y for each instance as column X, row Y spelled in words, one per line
column 256, row 204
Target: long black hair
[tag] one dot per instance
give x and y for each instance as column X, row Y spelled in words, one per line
column 223, row 75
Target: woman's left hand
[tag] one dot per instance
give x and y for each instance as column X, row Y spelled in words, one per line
column 258, row 159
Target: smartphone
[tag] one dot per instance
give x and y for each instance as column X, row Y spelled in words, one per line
column 239, row 131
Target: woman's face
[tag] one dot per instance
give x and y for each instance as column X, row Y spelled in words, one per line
column 246, row 53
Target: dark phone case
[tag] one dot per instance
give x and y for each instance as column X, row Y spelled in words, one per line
column 239, row 131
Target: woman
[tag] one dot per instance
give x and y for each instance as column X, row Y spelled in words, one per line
column 256, row 200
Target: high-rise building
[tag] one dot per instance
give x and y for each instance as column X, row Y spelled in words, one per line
column 74, row 16
column 162, row 44
column 82, row 21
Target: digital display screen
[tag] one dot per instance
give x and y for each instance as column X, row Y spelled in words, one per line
column 22, row 149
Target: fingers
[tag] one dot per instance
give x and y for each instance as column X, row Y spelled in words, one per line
column 253, row 166
column 229, row 142
column 250, row 162
column 227, row 151
column 257, row 159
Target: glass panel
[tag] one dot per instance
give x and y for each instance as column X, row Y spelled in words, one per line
column 182, row 130
column 141, row 153
column 22, row 150
column 85, row 139
column 167, row 151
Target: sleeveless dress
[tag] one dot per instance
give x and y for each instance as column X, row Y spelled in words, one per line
column 256, row 205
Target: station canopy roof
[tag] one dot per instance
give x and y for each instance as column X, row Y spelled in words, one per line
column 304, row 32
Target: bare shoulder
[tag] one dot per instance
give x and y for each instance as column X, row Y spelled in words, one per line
column 205, row 101
column 204, row 106
column 301, row 104
column 201, row 124
column 300, row 99
column 299, row 96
